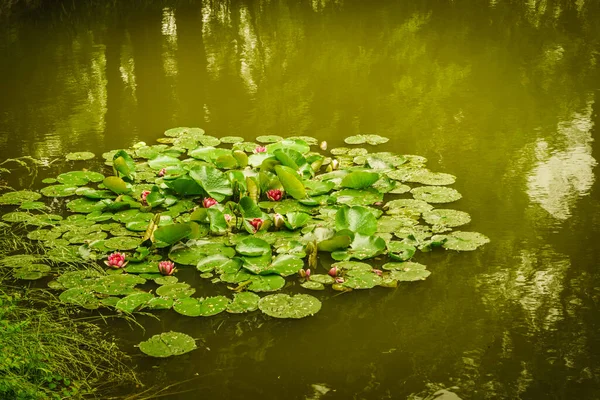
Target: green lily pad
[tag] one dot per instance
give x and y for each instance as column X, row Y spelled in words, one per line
column 122, row 243
column 31, row 272
column 192, row 253
column 80, row 297
column 184, row 130
column 117, row 284
column 146, row 267
column 464, row 241
column 291, row 182
column 43, row 234
column 286, row 306
column 16, row 198
column 295, row 220
column 17, row 216
column 160, row 303
column 85, row 206
column 214, row 182
column 134, row 302
column 354, row 197
column 407, row 207
column 172, row 233
column 253, row 247
column 219, row 263
column 321, row 278
column 361, row 248
column 268, row 139
column 33, row 205
column 168, row 344
column 436, row 194
column 352, row 266
column 243, row 302
column 410, row 272
column 266, row 283
column 359, row 179
column 359, row 279
column 370, row 139
column 356, row 219
column 79, row 155
column 59, row 190
column 175, row 291
column 398, row 266
column 312, row 285
column 232, row 139
column 400, row 251
column 166, row 280
column 426, row 177
column 445, row 217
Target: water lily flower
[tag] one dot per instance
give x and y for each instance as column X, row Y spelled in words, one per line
column 323, row 145
column 339, row 279
column 116, row 260
column 377, row 272
column 228, row 217
column 278, row 220
column 333, row 272
column 335, row 164
column 378, row 203
column 144, row 195
column 208, row 202
column 274, row 194
column 162, row 172
column 260, row 149
column 256, row 223
column 305, row 273
column 166, row 267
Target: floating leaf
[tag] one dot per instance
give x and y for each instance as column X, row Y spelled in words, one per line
column 356, row 219
column 359, row 179
column 426, row 177
column 295, row 220
column 134, row 302
column 268, row 139
column 175, row 291
column 359, row 279
column 444, row 217
column 400, row 251
column 232, row 139
column 192, row 252
column 243, row 302
column 117, row 185
column 168, row 344
column 291, row 182
column 362, row 247
column 354, row 197
column 80, row 297
column 286, row 306
column 464, row 241
column 410, row 272
column 370, row 139
column 436, row 194
column 59, row 190
column 214, row 182
column 266, row 283
column 172, row 233
column 122, row 243
column 252, row 246
column 312, row 285
column 16, row 198
column 79, row 155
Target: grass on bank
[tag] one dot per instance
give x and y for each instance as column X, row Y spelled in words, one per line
column 46, row 352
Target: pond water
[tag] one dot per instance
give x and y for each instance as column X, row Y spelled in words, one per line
column 502, row 94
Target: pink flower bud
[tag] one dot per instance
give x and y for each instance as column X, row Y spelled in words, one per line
column 144, row 195
column 260, row 149
column 228, row 217
column 116, row 260
column 256, row 223
column 208, row 202
column 333, row 272
column 274, row 194
column 377, row 272
column 162, row 172
column 304, row 273
column 166, row 267
column 339, row 279
column 378, row 203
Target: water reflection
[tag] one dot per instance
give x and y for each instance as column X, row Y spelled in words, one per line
column 562, row 175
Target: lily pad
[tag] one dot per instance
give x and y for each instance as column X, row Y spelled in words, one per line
column 370, row 139
column 214, row 182
column 268, row 139
column 445, row 217
column 166, row 280
column 59, row 190
column 359, row 279
column 286, row 306
column 312, row 285
column 243, row 302
column 360, row 179
column 410, row 272
column 16, row 198
column 175, row 291
column 354, row 197
column 192, row 253
column 464, row 241
column 426, row 177
column 400, row 251
column 254, row 247
column 80, row 297
column 168, row 344
column 122, row 243
column 80, row 155
column 266, row 283
column 436, row 194
column 134, row 302
column 232, row 139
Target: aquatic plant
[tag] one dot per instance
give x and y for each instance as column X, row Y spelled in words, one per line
column 267, row 213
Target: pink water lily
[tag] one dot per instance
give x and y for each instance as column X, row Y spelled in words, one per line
column 116, row 260
column 256, row 223
column 339, row 279
column 274, row 194
column 162, row 172
column 208, row 202
column 260, row 149
column 144, row 196
column 378, row 272
column 333, row 272
column 305, row 273
column 166, row 267
column 227, row 217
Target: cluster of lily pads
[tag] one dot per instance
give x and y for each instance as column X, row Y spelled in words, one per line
column 247, row 215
